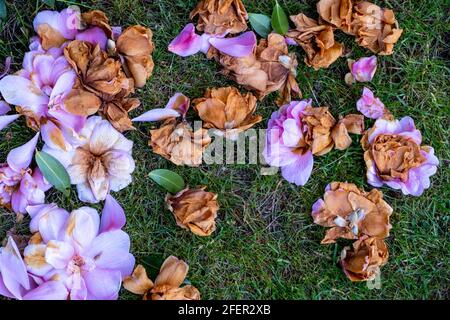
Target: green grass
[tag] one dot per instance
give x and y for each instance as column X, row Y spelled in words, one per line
column 266, row 246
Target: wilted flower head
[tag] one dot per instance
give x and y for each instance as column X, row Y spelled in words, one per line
column 337, row 12
column 227, row 111
column 298, row 131
column 177, row 142
column 78, row 256
column 102, row 162
column 361, row 70
column 371, row 106
column 219, row 17
column 21, row 186
column 394, row 156
column 317, row 40
column 195, row 209
column 351, row 213
column 167, row 284
column 363, row 261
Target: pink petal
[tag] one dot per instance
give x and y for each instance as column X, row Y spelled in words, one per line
column 59, row 253
column 62, row 86
column 33, row 253
column 83, row 226
column 180, row 103
column 103, row 284
column 113, row 216
column 20, row 158
column 94, row 35
column 4, row 108
column 13, row 270
column 7, row 120
column 68, row 120
column 22, row 92
column 292, row 133
column 240, row 46
column 40, row 181
column 66, row 22
column 187, row 43
column 50, row 290
column 364, row 69
column 53, row 136
column 370, row 106
column 299, row 171
column 48, row 220
column 4, row 290
column 79, row 289
column 157, row 115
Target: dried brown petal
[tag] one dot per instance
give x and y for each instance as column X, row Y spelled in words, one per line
column 50, row 38
column 138, row 282
column 136, row 46
column 352, row 123
column 218, row 17
column 99, row 19
column 337, row 12
column 116, row 112
column 178, row 143
column 195, row 209
column 319, row 122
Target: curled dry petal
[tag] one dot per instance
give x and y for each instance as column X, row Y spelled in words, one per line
column 116, row 112
column 317, row 40
column 138, row 282
column 352, row 123
column 337, row 12
column 351, row 212
column 178, row 143
column 227, row 110
column 363, row 261
column 136, row 46
column 195, row 209
column 99, row 19
column 219, row 17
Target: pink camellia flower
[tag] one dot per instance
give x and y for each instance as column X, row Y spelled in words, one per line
column 188, row 43
column 177, row 106
column 394, row 156
column 370, row 106
column 39, row 90
column 361, row 70
column 77, row 256
column 102, row 162
column 19, row 185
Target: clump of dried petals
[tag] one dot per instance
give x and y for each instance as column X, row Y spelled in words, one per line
column 116, row 112
column 394, row 156
column 227, row 110
column 363, row 261
column 195, row 210
column 218, row 17
column 337, row 13
column 136, row 46
column 317, row 40
column 99, row 19
column 167, row 284
column 270, row 68
column 351, row 213
column 178, row 143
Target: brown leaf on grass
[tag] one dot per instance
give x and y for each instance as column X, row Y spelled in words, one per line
column 227, row 110
column 136, row 46
column 218, row 17
column 363, row 261
column 178, row 143
column 195, row 210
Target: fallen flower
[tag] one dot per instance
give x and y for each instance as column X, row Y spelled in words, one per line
column 177, row 106
column 102, row 162
column 317, row 40
column 219, row 17
column 371, row 106
column 351, row 213
column 363, row 262
column 21, row 186
column 394, row 156
column 227, row 111
column 298, row 131
column 195, row 210
column 167, row 284
column 361, row 70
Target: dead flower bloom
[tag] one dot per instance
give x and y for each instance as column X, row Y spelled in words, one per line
column 167, row 284
column 178, row 143
column 363, row 262
column 351, row 212
column 227, row 111
column 195, row 209
column 218, row 17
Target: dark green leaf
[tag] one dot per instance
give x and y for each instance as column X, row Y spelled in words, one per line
column 260, row 23
column 53, row 171
column 3, row 12
column 50, row 3
column 280, row 22
column 167, row 179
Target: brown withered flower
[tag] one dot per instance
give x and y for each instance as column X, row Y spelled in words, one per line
column 218, row 17
column 227, row 110
column 337, row 13
column 316, row 40
column 271, row 68
column 195, row 210
column 376, row 28
column 167, row 284
column 363, row 261
column 351, row 213
column 116, row 112
column 178, row 143
column 136, row 47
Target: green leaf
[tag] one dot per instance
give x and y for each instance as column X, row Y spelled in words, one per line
column 50, row 3
column 3, row 12
column 260, row 23
column 53, row 171
column 167, row 179
column 280, row 22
